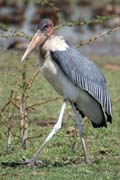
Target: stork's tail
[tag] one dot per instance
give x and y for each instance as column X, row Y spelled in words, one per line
column 109, row 118
column 102, row 123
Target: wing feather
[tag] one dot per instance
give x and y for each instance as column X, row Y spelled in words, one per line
column 84, row 74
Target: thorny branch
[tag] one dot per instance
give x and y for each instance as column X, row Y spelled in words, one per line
column 4, row 107
column 13, row 32
column 99, row 19
column 28, row 86
column 30, row 108
column 13, row 75
column 98, row 36
column 10, row 122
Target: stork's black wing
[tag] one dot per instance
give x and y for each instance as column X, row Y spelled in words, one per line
column 84, row 74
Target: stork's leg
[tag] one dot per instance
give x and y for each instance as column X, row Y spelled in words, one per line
column 79, row 124
column 52, row 133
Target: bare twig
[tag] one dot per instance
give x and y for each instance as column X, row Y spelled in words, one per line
column 29, row 84
column 97, row 20
column 23, row 112
column 98, row 36
column 9, row 124
column 13, row 75
column 23, row 122
column 5, row 106
column 30, row 108
column 13, row 102
column 34, row 77
column 12, row 32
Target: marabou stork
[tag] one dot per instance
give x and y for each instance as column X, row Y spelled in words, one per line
column 74, row 77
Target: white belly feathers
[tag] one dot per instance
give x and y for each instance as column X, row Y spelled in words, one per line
column 58, row 80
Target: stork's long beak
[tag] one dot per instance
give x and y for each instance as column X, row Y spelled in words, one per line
column 33, row 44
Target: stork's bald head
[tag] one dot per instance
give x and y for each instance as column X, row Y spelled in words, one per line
column 46, row 26
column 44, row 30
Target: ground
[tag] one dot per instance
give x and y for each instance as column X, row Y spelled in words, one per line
column 61, row 161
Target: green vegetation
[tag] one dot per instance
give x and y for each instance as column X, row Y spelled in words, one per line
column 103, row 144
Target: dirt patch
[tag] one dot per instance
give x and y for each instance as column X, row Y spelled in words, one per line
column 44, row 122
column 112, row 67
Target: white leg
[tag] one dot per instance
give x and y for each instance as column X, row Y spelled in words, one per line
column 53, row 132
column 79, row 124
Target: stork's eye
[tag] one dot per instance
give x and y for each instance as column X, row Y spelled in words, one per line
column 45, row 27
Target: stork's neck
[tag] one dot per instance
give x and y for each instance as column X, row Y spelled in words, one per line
column 41, row 56
column 52, row 44
column 55, row 43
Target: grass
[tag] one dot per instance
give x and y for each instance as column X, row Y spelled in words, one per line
column 103, row 144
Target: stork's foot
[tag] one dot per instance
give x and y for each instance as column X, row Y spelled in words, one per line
column 33, row 163
column 87, row 161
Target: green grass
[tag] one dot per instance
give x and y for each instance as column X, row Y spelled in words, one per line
column 103, row 144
